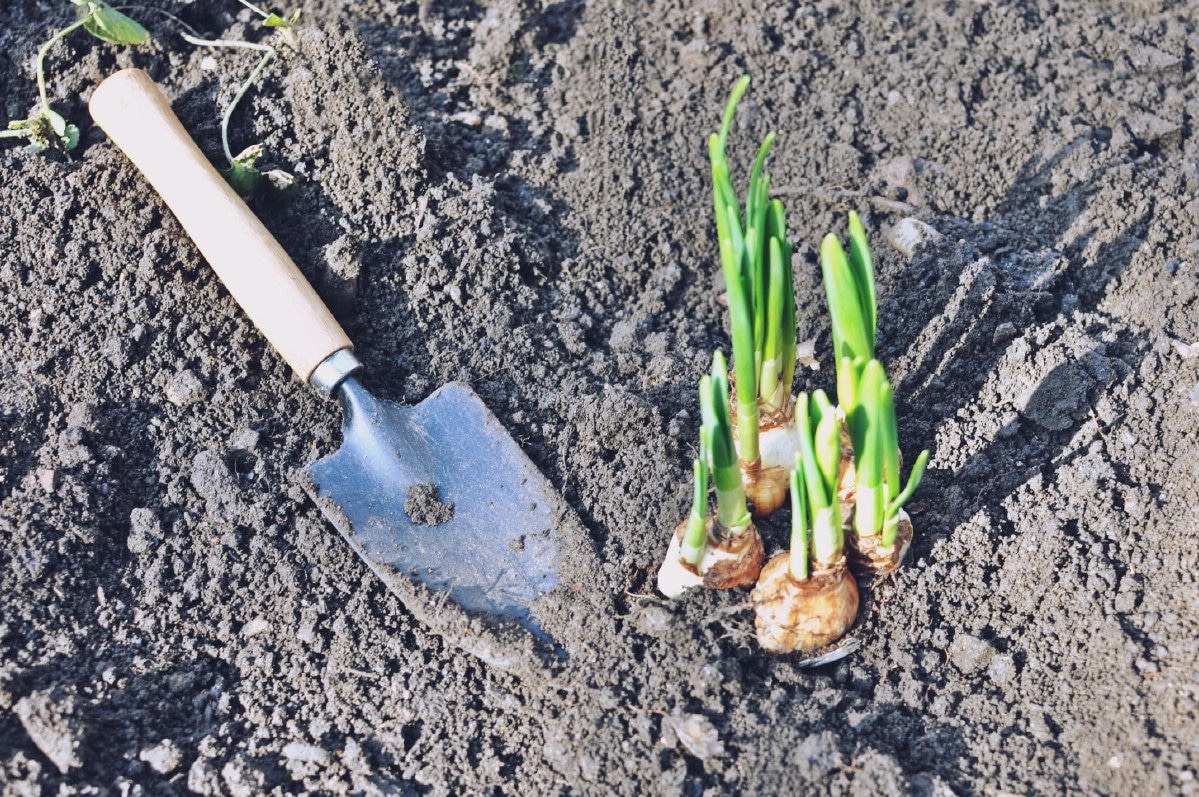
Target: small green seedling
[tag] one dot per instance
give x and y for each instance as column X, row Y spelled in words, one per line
column 46, row 127
column 756, row 262
column 814, row 505
column 807, row 598
column 731, row 511
column 242, row 173
column 853, row 306
column 695, row 535
column 726, row 551
column 878, row 495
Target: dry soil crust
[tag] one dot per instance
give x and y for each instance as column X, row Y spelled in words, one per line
column 515, row 194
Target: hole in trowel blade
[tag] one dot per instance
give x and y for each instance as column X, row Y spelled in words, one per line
column 425, row 507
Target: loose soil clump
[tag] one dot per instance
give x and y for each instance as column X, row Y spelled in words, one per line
column 516, row 195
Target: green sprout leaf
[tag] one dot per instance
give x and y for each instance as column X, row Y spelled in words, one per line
column 853, row 307
column 248, row 181
column 878, row 494
column 273, row 20
column 107, row 24
column 756, row 264
column 816, row 471
column 871, row 453
column 695, row 536
column 799, row 564
column 70, row 137
column 731, row 509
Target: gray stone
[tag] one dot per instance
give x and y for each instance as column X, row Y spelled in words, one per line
column 305, row 753
column 185, row 388
column 1003, row 670
column 48, row 717
column 908, row 235
column 970, row 654
column 163, row 757
column 343, row 266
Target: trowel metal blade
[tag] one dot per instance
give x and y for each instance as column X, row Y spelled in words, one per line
column 495, row 553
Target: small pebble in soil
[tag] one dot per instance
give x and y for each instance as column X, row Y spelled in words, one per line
column 185, row 388
column 970, row 654
column 909, row 234
column 49, row 717
column 424, row 505
column 163, row 757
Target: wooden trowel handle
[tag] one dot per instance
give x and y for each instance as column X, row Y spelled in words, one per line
column 262, row 278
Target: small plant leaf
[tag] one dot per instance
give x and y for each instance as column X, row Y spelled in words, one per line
column 275, row 21
column 246, row 179
column 107, row 24
column 914, row 479
column 70, row 138
column 56, row 121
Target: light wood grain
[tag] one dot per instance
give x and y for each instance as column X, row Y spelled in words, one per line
column 132, row 110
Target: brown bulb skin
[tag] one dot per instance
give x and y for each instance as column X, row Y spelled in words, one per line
column 869, row 555
column 729, row 561
column 803, row 615
column 765, row 488
column 768, row 478
column 735, row 560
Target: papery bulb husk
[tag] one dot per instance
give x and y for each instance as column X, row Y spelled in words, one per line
column 767, row 480
column 674, row 575
column 765, row 488
column 847, row 486
column 733, row 560
column 803, row 615
column 730, row 560
column 868, row 553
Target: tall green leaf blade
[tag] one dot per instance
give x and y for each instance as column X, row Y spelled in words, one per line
column 862, row 265
column 828, row 452
column 818, row 497
column 888, row 436
column 871, row 457
column 800, row 563
column 731, row 108
column 845, row 309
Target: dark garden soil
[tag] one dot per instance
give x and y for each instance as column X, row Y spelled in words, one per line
column 516, row 195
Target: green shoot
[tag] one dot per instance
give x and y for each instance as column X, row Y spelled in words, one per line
column 695, row 536
column 46, row 127
column 853, row 307
column 732, row 512
column 756, row 263
column 816, row 473
column 242, row 173
column 800, row 564
column 878, row 494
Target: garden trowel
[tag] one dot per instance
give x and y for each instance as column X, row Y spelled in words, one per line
column 437, row 498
